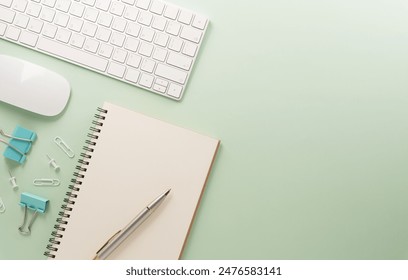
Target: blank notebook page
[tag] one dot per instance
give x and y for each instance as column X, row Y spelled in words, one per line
column 136, row 158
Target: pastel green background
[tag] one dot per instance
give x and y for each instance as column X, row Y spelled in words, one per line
column 309, row 99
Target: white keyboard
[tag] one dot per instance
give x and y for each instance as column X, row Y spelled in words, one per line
column 146, row 43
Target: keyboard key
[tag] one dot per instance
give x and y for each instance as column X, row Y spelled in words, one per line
column 119, row 55
column 159, row 88
column 171, row 12
column 131, row 44
column 145, row 18
column 160, row 54
column 119, row 24
column 133, row 29
column 75, row 24
column 131, row 13
column 28, row 38
column 103, row 4
column 13, row 33
column 175, row 44
column 91, row 14
column 179, row 61
column 147, row 34
column 117, row 8
column 77, row 9
column 189, row 49
column 47, row 14
column 146, row 80
column 161, row 39
column 173, row 28
column 105, row 50
column 61, row 19
column 6, row 3
column 130, row 2
column 148, row 65
column 91, row 45
column 63, row 5
column 159, row 23
column 7, row 15
column 175, row 90
column 185, row 17
column 162, row 82
column 117, row 70
column 89, row 29
column 145, row 49
column 118, row 39
column 33, row 9
column 21, row 20
column 171, row 73
column 143, row 4
column 49, row 30
column 132, row 75
column 19, row 5
column 134, row 60
column 63, row 35
column 105, row 19
column 35, row 25
column 199, row 22
column 103, row 34
column 157, row 7
column 191, row 34
column 49, row 3
column 77, row 40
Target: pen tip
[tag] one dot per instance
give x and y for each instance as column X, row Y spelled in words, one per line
column 166, row 193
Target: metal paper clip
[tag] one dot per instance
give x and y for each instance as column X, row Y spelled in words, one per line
column 35, row 203
column 64, row 147
column 46, row 182
column 13, row 181
column 2, row 206
column 14, row 137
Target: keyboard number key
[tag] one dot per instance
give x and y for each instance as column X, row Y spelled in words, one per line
column 146, row 80
column 116, row 70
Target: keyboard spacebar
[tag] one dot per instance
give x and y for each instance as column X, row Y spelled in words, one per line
column 72, row 54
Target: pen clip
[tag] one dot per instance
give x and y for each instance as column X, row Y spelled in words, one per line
column 106, row 243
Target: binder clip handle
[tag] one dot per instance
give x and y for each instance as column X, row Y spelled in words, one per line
column 21, row 228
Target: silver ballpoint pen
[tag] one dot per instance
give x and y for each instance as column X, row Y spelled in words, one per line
column 124, row 233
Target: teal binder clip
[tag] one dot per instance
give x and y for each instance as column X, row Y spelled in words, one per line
column 19, row 145
column 32, row 202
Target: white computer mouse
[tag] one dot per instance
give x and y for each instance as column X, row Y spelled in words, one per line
column 32, row 87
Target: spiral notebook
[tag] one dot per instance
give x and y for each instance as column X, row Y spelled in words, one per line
column 128, row 161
